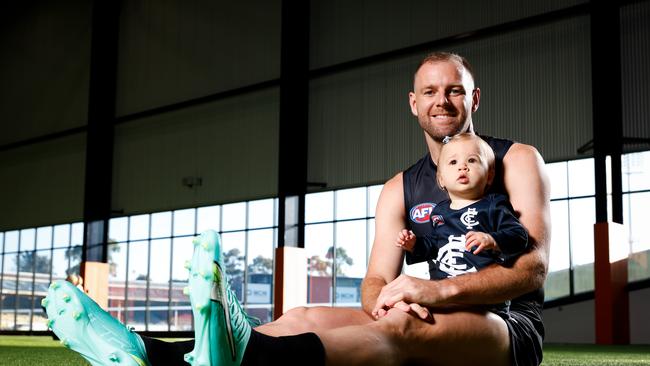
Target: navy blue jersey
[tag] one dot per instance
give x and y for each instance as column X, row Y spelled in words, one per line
column 422, row 194
column 444, row 247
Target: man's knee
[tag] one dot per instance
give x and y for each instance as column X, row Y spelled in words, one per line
column 299, row 319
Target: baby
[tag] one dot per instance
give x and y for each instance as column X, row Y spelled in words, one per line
column 472, row 229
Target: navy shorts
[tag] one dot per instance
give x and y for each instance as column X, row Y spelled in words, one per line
column 526, row 330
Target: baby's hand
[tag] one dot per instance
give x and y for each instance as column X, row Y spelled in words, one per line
column 405, row 240
column 476, row 242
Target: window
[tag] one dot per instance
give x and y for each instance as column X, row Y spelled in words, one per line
column 338, row 236
column 148, row 254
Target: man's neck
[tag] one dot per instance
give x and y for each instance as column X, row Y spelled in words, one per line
column 434, row 146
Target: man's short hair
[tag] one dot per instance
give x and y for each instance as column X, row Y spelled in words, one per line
column 444, row 57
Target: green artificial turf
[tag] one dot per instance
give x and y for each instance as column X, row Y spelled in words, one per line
column 36, row 351
column 44, row 351
column 565, row 355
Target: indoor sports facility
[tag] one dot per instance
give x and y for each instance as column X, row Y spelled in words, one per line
column 131, row 127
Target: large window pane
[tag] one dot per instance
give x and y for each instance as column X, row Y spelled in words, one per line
column 559, row 257
column 27, row 240
column 634, row 215
column 351, row 203
column 184, row 222
column 581, row 177
column 208, row 218
column 181, row 309
column 159, row 284
column 234, row 252
column 41, row 283
column 118, row 229
column 557, row 173
column 26, row 261
column 77, row 235
column 371, row 238
column 350, row 261
column 117, row 254
column 319, row 238
column 557, row 282
column 373, row 197
column 259, row 289
column 636, row 171
column 74, row 254
column 59, row 264
column 583, row 217
column 44, row 237
column 161, row 225
column 260, row 213
column 61, row 236
column 8, row 297
column 319, row 207
column 233, row 216
column 11, row 241
column 139, row 227
column 137, row 293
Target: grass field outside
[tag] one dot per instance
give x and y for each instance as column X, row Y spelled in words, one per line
column 44, row 351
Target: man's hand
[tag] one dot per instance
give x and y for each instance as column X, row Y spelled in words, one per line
column 476, row 242
column 412, row 308
column 407, row 291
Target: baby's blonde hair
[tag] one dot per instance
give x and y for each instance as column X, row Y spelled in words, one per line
column 483, row 146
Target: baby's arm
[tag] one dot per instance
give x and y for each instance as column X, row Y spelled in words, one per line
column 509, row 236
column 406, row 240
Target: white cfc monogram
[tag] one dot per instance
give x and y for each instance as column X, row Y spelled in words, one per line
column 467, row 218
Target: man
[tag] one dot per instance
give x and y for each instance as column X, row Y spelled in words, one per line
column 443, row 100
column 405, row 320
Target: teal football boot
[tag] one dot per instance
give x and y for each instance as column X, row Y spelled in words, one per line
column 221, row 327
column 84, row 327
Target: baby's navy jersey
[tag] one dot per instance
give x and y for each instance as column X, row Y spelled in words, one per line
column 444, row 247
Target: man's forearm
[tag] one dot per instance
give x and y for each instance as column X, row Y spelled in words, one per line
column 497, row 284
column 370, row 289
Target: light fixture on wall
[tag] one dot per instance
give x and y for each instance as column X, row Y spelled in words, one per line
column 191, row 182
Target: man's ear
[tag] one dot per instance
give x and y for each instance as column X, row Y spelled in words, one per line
column 413, row 104
column 476, row 97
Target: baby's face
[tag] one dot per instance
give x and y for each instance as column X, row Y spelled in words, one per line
column 463, row 169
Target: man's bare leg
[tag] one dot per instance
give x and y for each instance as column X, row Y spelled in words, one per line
column 315, row 319
column 459, row 338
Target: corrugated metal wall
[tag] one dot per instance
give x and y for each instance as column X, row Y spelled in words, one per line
column 45, row 48
column 635, row 69
column 535, row 81
column 230, row 144
column 536, row 89
column 173, row 51
column 344, row 30
column 42, row 184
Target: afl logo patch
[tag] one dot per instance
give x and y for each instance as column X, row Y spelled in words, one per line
column 420, row 213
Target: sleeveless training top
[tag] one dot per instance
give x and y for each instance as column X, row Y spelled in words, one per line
column 422, row 194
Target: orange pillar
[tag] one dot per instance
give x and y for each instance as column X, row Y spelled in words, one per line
column 290, row 279
column 95, row 275
column 610, row 277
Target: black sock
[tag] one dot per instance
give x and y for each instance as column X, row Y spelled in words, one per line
column 301, row 349
column 167, row 353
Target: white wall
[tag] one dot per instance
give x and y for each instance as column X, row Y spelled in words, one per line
column 574, row 323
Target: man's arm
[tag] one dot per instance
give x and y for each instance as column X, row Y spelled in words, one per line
column 528, row 188
column 385, row 262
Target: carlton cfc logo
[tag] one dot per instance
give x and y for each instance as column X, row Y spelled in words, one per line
column 420, row 213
